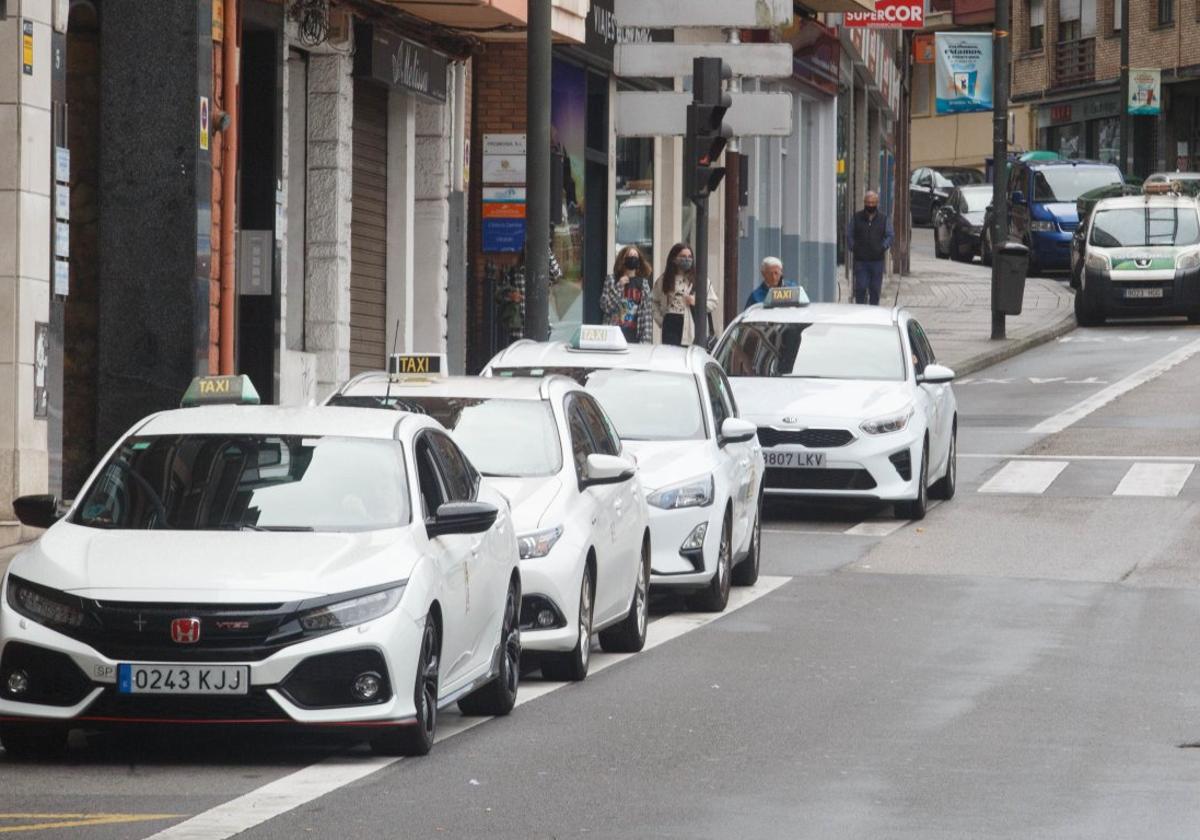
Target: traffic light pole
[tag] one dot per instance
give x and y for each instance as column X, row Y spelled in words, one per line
column 999, row 157
column 537, row 156
column 700, row 290
column 704, row 143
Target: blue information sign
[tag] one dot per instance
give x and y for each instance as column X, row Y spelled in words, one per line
column 503, row 236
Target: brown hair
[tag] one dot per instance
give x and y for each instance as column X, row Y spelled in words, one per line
column 643, row 270
column 668, row 275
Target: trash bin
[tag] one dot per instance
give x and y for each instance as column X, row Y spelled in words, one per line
column 1011, row 263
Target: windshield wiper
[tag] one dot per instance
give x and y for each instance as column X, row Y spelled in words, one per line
column 246, row 526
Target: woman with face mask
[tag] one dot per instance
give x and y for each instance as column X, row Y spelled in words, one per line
column 625, row 300
column 675, row 298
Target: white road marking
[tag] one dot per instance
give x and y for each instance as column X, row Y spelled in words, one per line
column 1025, row 477
column 1145, row 479
column 1098, row 400
column 324, row 777
column 1163, row 458
column 880, row 528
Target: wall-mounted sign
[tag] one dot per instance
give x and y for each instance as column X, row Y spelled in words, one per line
column 27, row 47
column 204, row 123
column 399, row 62
column 504, row 144
column 62, row 202
column 504, row 158
column 923, row 49
column 62, row 278
column 1145, row 91
column 503, row 236
column 62, row 164
column 1079, row 110
column 889, row 14
column 41, row 355
column 256, row 261
column 964, row 71
column 503, row 202
column 62, row 240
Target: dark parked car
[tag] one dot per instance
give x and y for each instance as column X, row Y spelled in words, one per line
column 929, row 188
column 959, row 221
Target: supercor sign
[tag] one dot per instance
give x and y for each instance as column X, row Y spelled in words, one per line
column 889, row 14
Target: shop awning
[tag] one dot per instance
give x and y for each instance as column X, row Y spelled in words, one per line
column 496, row 19
column 839, row 5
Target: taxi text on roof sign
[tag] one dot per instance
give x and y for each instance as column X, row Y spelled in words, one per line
column 220, row 390
column 599, row 337
column 786, row 296
column 421, row 365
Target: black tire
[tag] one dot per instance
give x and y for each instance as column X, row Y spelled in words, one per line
column 715, row 596
column 1194, row 318
column 945, row 487
column 498, row 697
column 418, row 740
column 572, row 666
column 33, row 741
column 985, row 247
column 1085, row 314
column 957, row 252
column 745, row 573
column 915, row 509
column 937, row 245
column 630, row 635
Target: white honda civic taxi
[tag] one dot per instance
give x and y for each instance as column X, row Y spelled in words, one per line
column 699, row 464
column 849, row 401
column 244, row 564
column 581, row 518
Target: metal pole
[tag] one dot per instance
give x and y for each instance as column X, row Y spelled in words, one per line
column 999, row 156
column 1125, row 141
column 537, row 168
column 700, row 249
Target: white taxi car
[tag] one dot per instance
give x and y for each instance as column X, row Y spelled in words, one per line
column 1141, row 257
column 244, row 564
column 699, row 463
column 849, row 401
column 580, row 516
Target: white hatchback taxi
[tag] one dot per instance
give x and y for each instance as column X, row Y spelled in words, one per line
column 849, row 401
column 700, row 465
column 242, row 564
column 581, row 518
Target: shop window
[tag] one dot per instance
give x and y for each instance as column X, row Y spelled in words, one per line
column 1037, row 24
column 1116, row 16
column 1166, row 12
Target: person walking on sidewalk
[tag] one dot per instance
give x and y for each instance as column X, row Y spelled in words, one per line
column 869, row 235
column 675, row 298
column 772, row 275
column 626, row 297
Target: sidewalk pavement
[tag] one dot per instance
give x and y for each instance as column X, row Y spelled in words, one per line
column 953, row 302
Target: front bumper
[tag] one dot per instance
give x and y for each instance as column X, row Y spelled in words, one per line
column 1051, row 249
column 552, row 582
column 1180, row 294
column 872, row 467
column 669, row 529
column 390, row 643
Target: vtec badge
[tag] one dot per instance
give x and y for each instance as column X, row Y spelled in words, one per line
column 185, row 631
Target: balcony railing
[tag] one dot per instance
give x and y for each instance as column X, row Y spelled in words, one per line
column 1075, row 62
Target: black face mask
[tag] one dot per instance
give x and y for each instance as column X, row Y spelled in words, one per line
column 633, row 263
column 870, row 210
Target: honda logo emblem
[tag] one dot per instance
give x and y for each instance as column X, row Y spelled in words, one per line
column 185, row 631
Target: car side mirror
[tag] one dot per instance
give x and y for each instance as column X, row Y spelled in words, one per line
column 606, row 469
column 935, row 375
column 40, row 511
column 1018, row 197
column 737, row 430
column 461, row 518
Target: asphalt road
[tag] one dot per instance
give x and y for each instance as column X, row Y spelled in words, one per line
column 1019, row 664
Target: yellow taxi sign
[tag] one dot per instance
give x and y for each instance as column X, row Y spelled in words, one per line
column 599, row 337
column 220, row 390
column 781, row 296
column 416, row 365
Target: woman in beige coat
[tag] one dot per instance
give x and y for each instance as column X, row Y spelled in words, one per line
column 674, row 298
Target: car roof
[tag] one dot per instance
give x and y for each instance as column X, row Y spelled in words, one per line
column 376, row 383
column 273, row 419
column 823, row 313
column 1136, row 201
column 1174, row 176
column 558, row 354
column 1047, row 164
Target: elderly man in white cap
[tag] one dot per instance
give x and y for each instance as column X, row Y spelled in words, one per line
column 772, row 275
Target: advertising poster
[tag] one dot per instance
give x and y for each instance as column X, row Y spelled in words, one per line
column 964, row 71
column 503, row 220
column 568, row 115
column 1145, row 91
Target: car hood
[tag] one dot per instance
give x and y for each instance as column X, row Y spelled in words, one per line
column 844, row 401
column 214, row 566
column 530, row 498
column 664, row 462
column 1062, row 211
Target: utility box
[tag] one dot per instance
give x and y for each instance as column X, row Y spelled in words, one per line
column 1011, row 264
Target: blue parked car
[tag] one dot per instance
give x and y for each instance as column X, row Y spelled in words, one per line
column 1041, row 207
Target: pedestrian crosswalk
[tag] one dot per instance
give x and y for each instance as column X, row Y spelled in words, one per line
column 1093, row 477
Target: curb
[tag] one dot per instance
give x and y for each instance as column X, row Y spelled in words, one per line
column 1013, row 347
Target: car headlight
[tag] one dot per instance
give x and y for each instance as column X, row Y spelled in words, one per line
column 45, row 606
column 538, row 543
column 888, row 423
column 1039, row 226
column 1096, row 262
column 695, row 492
column 342, row 614
column 1188, row 261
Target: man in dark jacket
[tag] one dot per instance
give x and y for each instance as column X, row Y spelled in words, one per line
column 868, row 237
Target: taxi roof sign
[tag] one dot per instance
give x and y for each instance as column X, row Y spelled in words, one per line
column 781, row 296
column 602, row 337
column 416, row 366
column 220, row 390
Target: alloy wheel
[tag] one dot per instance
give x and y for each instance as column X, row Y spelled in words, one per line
column 642, row 594
column 512, row 643
column 585, row 619
column 427, row 684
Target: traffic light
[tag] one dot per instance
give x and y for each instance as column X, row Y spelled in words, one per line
column 707, row 132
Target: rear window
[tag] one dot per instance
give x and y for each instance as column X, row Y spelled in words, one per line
column 1068, row 183
column 957, row 177
column 1142, row 227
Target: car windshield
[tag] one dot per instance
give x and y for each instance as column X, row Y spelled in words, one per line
column 977, row 200
column 642, row 404
column 1067, row 183
column 215, row 482
column 1134, row 227
column 947, row 178
column 813, row 351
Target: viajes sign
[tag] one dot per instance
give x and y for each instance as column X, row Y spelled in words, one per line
column 964, row 71
column 889, row 14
